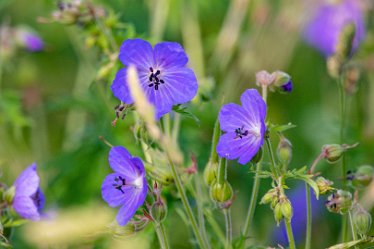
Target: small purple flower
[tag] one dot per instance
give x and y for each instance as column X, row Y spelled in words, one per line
column 244, row 127
column 29, row 40
column 324, row 29
column 287, row 87
column 162, row 71
column 127, row 186
column 28, row 199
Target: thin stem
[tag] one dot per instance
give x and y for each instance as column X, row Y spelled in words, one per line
column 273, row 166
column 161, row 235
column 290, row 237
column 215, row 226
column 265, row 93
column 253, row 202
column 176, row 127
column 216, row 135
column 353, row 230
column 186, row 205
column 308, row 240
column 200, row 208
column 228, row 222
column 166, row 124
column 222, row 171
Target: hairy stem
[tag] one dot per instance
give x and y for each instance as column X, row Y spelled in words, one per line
column 290, row 237
column 273, row 166
column 228, row 222
column 161, row 235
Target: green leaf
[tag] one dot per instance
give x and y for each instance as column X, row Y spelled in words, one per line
column 301, row 175
column 15, row 223
column 184, row 112
column 280, row 128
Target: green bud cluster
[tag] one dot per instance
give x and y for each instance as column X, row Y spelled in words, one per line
column 339, row 202
column 280, row 204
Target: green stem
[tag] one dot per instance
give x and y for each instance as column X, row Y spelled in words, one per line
column 222, row 166
column 216, row 135
column 161, row 235
column 200, row 208
column 253, row 202
column 308, row 240
column 273, row 166
column 176, row 128
column 186, row 205
column 290, row 234
column 228, row 222
column 353, row 230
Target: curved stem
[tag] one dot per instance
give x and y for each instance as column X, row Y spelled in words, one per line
column 273, row 166
column 253, row 202
column 290, row 237
column 228, row 222
column 222, row 166
column 308, row 239
column 187, row 207
column 161, row 235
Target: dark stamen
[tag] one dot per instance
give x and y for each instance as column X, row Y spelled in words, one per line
column 154, row 79
column 240, row 133
column 119, row 183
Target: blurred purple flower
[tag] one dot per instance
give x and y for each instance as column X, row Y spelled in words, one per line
column 28, row 199
column 162, row 71
column 244, row 127
column 287, row 87
column 127, row 187
column 330, row 18
column 29, row 40
column 299, row 219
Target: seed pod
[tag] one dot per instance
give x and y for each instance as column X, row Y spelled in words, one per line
column 333, row 152
column 278, row 213
column 361, row 219
column 286, row 209
column 221, row 192
column 269, row 196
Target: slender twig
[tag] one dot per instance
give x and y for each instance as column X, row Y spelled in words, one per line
column 308, row 239
column 353, row 230
column 228, row 223
column 273, row 166
column 161, row 234
column 187, row 207
column 290, row 237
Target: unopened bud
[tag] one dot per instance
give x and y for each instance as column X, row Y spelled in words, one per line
column 269, row 196
column 9, row 194
column 282, row 82
column 221, row 192
column 339, row 202
column 345, row 42
column 284, row 151
column 363, row 176
column 264, row 78
column 286, row 209
column 324, row 185
column 361, row 219
column 210, row 173
column 333, row 152
column 278, row 213
column 158, row 211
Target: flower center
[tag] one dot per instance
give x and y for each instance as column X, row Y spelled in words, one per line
column 240, row 133
column 120, row 182
column 154, row 78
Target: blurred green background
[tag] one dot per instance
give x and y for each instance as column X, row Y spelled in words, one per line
column 53, row 110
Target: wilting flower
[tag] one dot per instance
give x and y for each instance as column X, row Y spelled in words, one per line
column 127, row 186
column 29, row 40
column 330, row 19
column 244, row 127
column 162, row 72
column 28, row 199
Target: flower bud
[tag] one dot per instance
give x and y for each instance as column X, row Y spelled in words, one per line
column 269, row 196
column 363, row 176
column 339, row 202
column 264, row 78
column 221, row 192
column 210, row 173
column 333, row 152
column 158, row 211
column 282, row 82
column 284, row 151
column 324, row 185
column 345, row 42
column 278, row 213
column 361, row 219
column 286, row 209
column 9, row 194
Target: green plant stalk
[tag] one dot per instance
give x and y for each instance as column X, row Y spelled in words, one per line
column 273, row 166
column 344, row 229
column 228, row 222
column 216, row 135
column 200, row 209
column 290, row 234
column 161, row 235
column 222, row 166
column 308, row 239
column 187, row 207
column 354, row 234
column 253, row 201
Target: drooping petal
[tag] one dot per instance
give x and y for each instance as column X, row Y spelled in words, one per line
column 25, row 207
column 232, row 116
column 131, row 204
column 137, row 52
column 27, row 182
column 180, row 84
column 120, row 161
column 169, row 54
column 120, row 88
column 115, row 197
column 254, row 105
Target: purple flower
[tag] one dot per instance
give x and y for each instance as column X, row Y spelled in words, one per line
column 28, row 199
column 244, row 127
column 29, row 40
column 324, row 29
column 162, row 71
column 287, row 87
column 127, row 186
